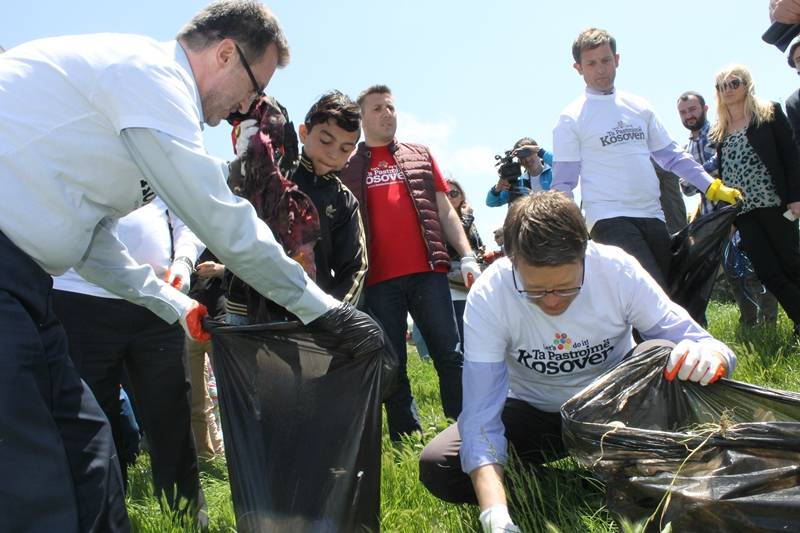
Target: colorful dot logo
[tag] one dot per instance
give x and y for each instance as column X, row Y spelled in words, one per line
column 561, row 341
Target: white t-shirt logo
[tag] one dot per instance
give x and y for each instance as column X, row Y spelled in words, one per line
column 147, row 192
column 564, row 356
column 623, row 133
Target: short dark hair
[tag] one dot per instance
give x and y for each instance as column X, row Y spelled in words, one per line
column 688, row 94
column 247, row 22
column 592, row 38
column 524, row 141
column 373, row 89
column 337, row 106
column 545, row 229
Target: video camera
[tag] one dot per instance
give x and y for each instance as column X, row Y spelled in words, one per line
column 509, row 166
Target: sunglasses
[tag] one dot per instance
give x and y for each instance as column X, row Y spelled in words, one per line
column 453, row 193
column 256, row 89
column 731, row 85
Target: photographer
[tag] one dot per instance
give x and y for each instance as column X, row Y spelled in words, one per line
column 512, row 182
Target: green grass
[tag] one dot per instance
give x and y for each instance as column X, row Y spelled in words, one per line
column 559, row 497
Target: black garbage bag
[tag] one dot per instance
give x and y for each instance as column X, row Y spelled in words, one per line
column 302, row 429
column 696, row 256
column 728, row 454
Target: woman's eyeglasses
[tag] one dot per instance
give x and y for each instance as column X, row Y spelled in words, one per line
column 731, row 85
column 453, row 193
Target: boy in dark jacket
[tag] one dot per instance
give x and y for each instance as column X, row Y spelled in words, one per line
column 329, row 134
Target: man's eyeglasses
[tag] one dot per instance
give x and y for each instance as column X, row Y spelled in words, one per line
column 256, row 89
column 538, row 295
column 731, row 85
column 453, row 193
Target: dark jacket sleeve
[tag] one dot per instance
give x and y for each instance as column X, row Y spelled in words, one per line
column 349, row 257
column 793, row 114
column 787, row 153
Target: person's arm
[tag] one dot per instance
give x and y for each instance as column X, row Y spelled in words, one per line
column 484, row 449
column 451, row 225
column 567, row 161
column 655, row 316
column 675, row 159
column 565, row 176
column 787, row 152
column 108, row 265
column 193, row 185
column 186, row 249
column 498, row 194
column 349, row 249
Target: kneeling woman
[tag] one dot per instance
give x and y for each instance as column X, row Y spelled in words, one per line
column 539, row 326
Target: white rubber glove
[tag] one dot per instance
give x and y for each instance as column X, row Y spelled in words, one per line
column 246, row 129
column 470, row 270
column 496, row 519
column 179, row 274
column 692, row 361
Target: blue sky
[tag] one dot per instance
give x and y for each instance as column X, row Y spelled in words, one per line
column 469, row 78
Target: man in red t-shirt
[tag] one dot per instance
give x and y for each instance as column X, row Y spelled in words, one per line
column 403, row 200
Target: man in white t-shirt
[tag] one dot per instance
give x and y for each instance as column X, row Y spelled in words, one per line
column 606, row 138
column 91, row 128
column 539, row 326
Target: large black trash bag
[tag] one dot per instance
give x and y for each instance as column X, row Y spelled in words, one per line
column 745, row 476
column 696, row 256
column 302, row 428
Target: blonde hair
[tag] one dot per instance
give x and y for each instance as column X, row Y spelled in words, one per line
column 760, row 110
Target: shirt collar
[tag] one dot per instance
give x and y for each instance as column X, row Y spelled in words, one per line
column 183, row 60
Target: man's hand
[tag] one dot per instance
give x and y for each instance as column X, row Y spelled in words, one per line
column 354, row 329
column 717, row 192
column 210, row 269
column 692, row 361
column 192, row 322
column 794, row 207
column 785, row 11
column 179, row 273
column 502, row 185
column 470, row 270
column 496, row 519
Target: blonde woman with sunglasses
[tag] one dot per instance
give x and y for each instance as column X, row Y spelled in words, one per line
column 757, row 154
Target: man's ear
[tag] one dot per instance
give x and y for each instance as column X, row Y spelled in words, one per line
column 577, row 67
column 303, row 132
column 225, row 51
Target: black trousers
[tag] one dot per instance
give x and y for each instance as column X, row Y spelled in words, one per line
column 646, row 239
column 535, row 436
column 58, row 465
column 773, row 245
column 104, row 334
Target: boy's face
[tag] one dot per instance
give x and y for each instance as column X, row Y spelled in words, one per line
column 328, row 145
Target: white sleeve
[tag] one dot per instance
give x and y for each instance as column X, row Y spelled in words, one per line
column 186, row 243
column 644, row 301
column 485, row 333
column 657, row 136
column 192, row 184
column 108, row 265
column 566, row 142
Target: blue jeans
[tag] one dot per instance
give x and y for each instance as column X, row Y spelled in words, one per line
column 427, row 297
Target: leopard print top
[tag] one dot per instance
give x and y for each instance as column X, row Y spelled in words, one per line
column 744, row 170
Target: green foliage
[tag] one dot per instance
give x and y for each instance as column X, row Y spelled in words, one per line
column 560, row 497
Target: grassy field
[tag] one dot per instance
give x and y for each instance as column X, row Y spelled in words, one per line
column 561, row 497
